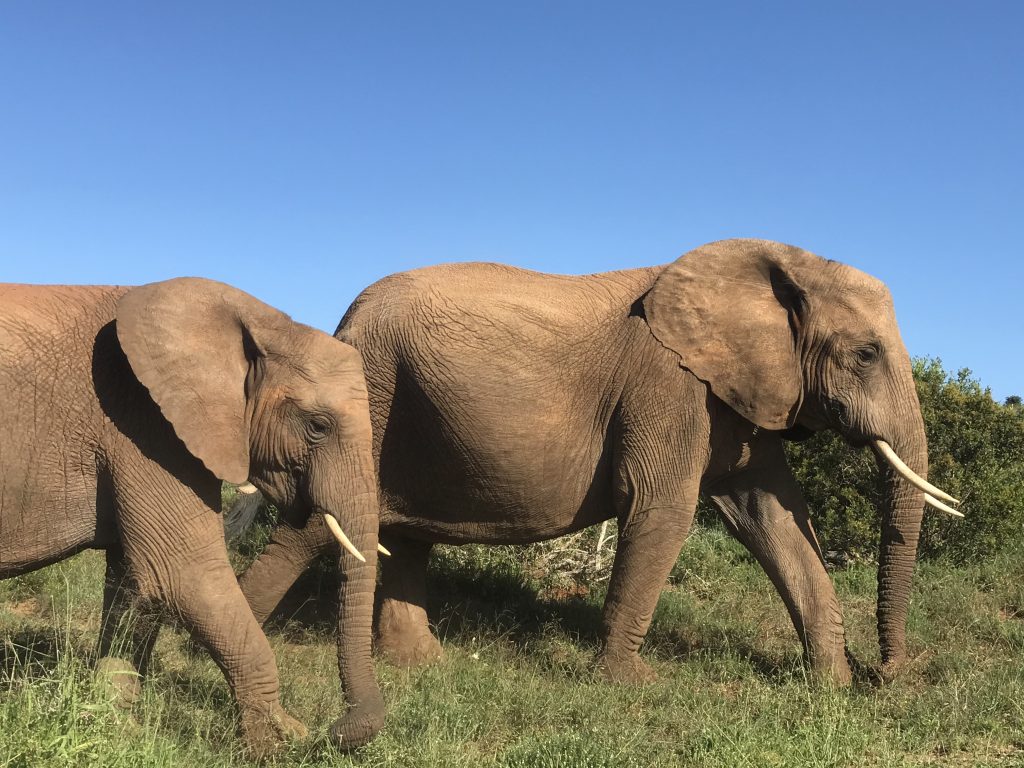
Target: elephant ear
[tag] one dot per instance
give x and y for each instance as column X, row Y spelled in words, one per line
column 732, row 311
column 190, row 342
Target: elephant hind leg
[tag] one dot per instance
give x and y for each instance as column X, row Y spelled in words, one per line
column 286, row 557
column 403, row 633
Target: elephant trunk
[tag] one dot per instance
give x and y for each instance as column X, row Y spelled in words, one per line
column 903, row 509
column 359, row 514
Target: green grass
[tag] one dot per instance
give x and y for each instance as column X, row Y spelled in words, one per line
column 516, row 687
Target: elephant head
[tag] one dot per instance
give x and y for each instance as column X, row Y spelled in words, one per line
column 257, row 397
column 793, row 341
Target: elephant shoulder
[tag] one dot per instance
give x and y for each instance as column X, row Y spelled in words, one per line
column 405, row 296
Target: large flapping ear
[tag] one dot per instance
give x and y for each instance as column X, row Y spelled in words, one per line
column 731, row 310
column 188, row 340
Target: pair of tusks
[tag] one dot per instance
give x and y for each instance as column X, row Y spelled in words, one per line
column 344, row 540
column 339, row 534
column 931, row 493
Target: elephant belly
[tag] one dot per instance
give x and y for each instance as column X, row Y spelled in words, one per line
column 493, row 487
column 492, row 393
column 466, row 521
column 40, row 525
column 48, row 501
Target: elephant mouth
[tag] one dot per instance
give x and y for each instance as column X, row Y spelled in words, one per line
column 858, row 441
column 933, row 496
column 346, row 543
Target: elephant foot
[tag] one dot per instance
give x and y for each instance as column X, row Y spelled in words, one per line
column 118, row 681
column 358, row 726
column 409, row 649
column 829, row 660
column 839, row 676
column 265, row 727
column 626, row 668
column 891, row 669
column 403, row 635
column 837, row 673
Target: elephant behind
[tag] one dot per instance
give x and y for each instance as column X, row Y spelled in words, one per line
column 511, row 406
column 122, row 409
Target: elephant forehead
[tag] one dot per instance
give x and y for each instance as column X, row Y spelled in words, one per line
column 323, row 353
column 858, row 286
column 322, row 384
column 318, row 358
column 859, row 310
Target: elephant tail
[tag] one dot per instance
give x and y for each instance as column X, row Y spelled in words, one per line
column 241, row 515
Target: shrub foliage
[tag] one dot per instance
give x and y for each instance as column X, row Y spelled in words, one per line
column 976, row 452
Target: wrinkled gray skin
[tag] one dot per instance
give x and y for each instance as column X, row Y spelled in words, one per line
column 122, row 409
column 510, row 406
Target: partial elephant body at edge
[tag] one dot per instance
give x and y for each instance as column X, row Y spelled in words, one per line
column 123, row 408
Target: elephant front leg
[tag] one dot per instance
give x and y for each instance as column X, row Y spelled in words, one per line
column 765, row 510
column 205, row 594
column 655, row 507
column 177, row 554
column 403, row 633
column 128, row 632
column 649, row 543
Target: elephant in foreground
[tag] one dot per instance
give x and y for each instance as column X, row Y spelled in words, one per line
column 123, row 409
column 511, row 406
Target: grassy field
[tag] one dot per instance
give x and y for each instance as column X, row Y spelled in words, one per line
column 517, row 689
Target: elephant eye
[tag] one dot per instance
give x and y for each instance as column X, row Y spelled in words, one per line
column 868, row 354
column 319, row 427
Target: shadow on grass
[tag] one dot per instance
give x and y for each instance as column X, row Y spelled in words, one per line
column 466, row 601
column 198, row 687
column 33, row 652
column 310, row 605
column 462, row 600
column 675, row 643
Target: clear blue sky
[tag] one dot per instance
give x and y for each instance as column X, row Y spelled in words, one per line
column 302, row 150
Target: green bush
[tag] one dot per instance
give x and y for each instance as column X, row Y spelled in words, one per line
column 976, row 452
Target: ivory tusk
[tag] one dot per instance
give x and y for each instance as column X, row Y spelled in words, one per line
column 246, row 488
column 910, row 475
column 383, row 551
column 933, row 502
column 342, row 538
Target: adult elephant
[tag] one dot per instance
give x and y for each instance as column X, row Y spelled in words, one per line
column 511, row 406
column 123, row 409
